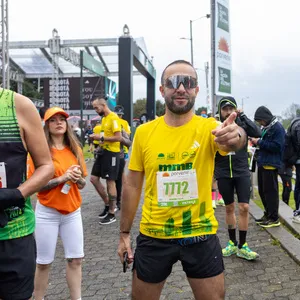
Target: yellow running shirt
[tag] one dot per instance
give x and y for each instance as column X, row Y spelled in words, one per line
column 178, row 163
column 96, row 130
column 126, row 127
column 109, row 125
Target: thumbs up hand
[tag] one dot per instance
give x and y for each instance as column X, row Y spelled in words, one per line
column 229, row 135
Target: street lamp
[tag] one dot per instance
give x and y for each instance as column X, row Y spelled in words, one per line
column 243, row 101
column 191, row 36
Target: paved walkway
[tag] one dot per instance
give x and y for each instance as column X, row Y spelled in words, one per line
column 274, row 276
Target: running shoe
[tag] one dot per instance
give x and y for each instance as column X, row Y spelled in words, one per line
column 230, row 249
column 246, row 253
column 270, row 223
column 110, row 218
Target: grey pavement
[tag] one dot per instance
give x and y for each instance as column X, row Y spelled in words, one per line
column 275, row 275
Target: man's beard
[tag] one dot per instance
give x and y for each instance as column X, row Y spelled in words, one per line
column 101, row 114
column 180, row 110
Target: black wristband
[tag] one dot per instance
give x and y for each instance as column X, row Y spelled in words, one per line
column 11, row 197
column 125, row 232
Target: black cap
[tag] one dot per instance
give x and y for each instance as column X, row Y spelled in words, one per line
column 227, row 101
column 119, row 110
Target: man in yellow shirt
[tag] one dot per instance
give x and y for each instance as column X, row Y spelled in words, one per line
column 107, row 162
column 96, row 130
column 119, row 110
column 175, row 153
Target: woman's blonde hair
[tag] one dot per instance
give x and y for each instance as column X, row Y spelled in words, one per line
column 70, row 140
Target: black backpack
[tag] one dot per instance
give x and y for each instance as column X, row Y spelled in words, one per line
column 290, row 154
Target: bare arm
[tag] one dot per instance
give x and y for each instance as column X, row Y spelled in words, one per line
column 34, row 141
column 116, row 138
column 131, row 194
column 81, row 183
column 54, row 183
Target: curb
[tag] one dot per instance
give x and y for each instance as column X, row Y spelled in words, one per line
column 287, row 240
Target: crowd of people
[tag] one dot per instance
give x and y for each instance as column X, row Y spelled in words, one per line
column 182, row 157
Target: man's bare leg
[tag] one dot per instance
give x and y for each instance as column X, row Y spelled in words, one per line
column 100, row 188
column 212, row 288
column 144, row 290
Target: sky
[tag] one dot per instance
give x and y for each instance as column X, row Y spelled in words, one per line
column 265, row 39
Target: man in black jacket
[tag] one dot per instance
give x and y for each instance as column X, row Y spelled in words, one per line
column 271, row 146
column 232, row 173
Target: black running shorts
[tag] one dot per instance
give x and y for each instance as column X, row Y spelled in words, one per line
column 106, row 165
column 17, row 268
column 241, row 185
column 154, row 258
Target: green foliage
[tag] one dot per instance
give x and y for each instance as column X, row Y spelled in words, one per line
column 292, row 111
column 139, row 108
column 289, row 114
column 160, row 108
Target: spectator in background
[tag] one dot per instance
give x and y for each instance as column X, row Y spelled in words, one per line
column 286, row 173
column 107, row 162
column 58, row 208
column 125, row 130
column 233, row 175
column 87, row 134
column 271, row 146
column 42, row 111
column 96, row 130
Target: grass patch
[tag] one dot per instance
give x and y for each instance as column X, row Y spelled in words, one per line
column 275, row 242
column 258, row 202
column 87, row 154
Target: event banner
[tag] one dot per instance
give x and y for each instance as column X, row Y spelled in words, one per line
column 222, row 48
column 68, row 96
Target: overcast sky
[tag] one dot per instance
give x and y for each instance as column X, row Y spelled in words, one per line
column 265, row 39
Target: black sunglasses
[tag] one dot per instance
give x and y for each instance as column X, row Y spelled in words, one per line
column 173, row 82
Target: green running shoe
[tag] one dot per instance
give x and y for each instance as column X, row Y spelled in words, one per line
column 221, row 202
column 246, row 253
column 230, row 249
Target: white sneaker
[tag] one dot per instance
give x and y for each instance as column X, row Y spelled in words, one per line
column 296, row 219
column 214, row 204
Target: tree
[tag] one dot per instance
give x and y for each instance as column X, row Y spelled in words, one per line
column 200, row 109
column 289, row 114
column 160, row 108
column 292, row 111
column 139, row 108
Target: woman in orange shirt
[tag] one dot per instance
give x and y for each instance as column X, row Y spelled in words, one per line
column 58, row 207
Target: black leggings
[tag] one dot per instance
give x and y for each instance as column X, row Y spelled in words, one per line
column 119, row 179
column 286, row 187
column 240, row 184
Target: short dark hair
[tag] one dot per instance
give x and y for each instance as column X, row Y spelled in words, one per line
column 175, row 62
column 42, row 111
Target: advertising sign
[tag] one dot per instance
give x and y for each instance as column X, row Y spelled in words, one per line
column 69, row 92
column 222, row 48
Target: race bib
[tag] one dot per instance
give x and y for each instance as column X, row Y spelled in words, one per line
column 177, row 188
column 3, row 183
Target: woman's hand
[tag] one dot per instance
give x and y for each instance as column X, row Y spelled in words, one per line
column 73, row 173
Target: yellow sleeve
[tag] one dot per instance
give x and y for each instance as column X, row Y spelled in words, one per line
column 116, row 124
column 136, row 157
column 127, row 128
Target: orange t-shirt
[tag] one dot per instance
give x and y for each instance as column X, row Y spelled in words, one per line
column 54, row 198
